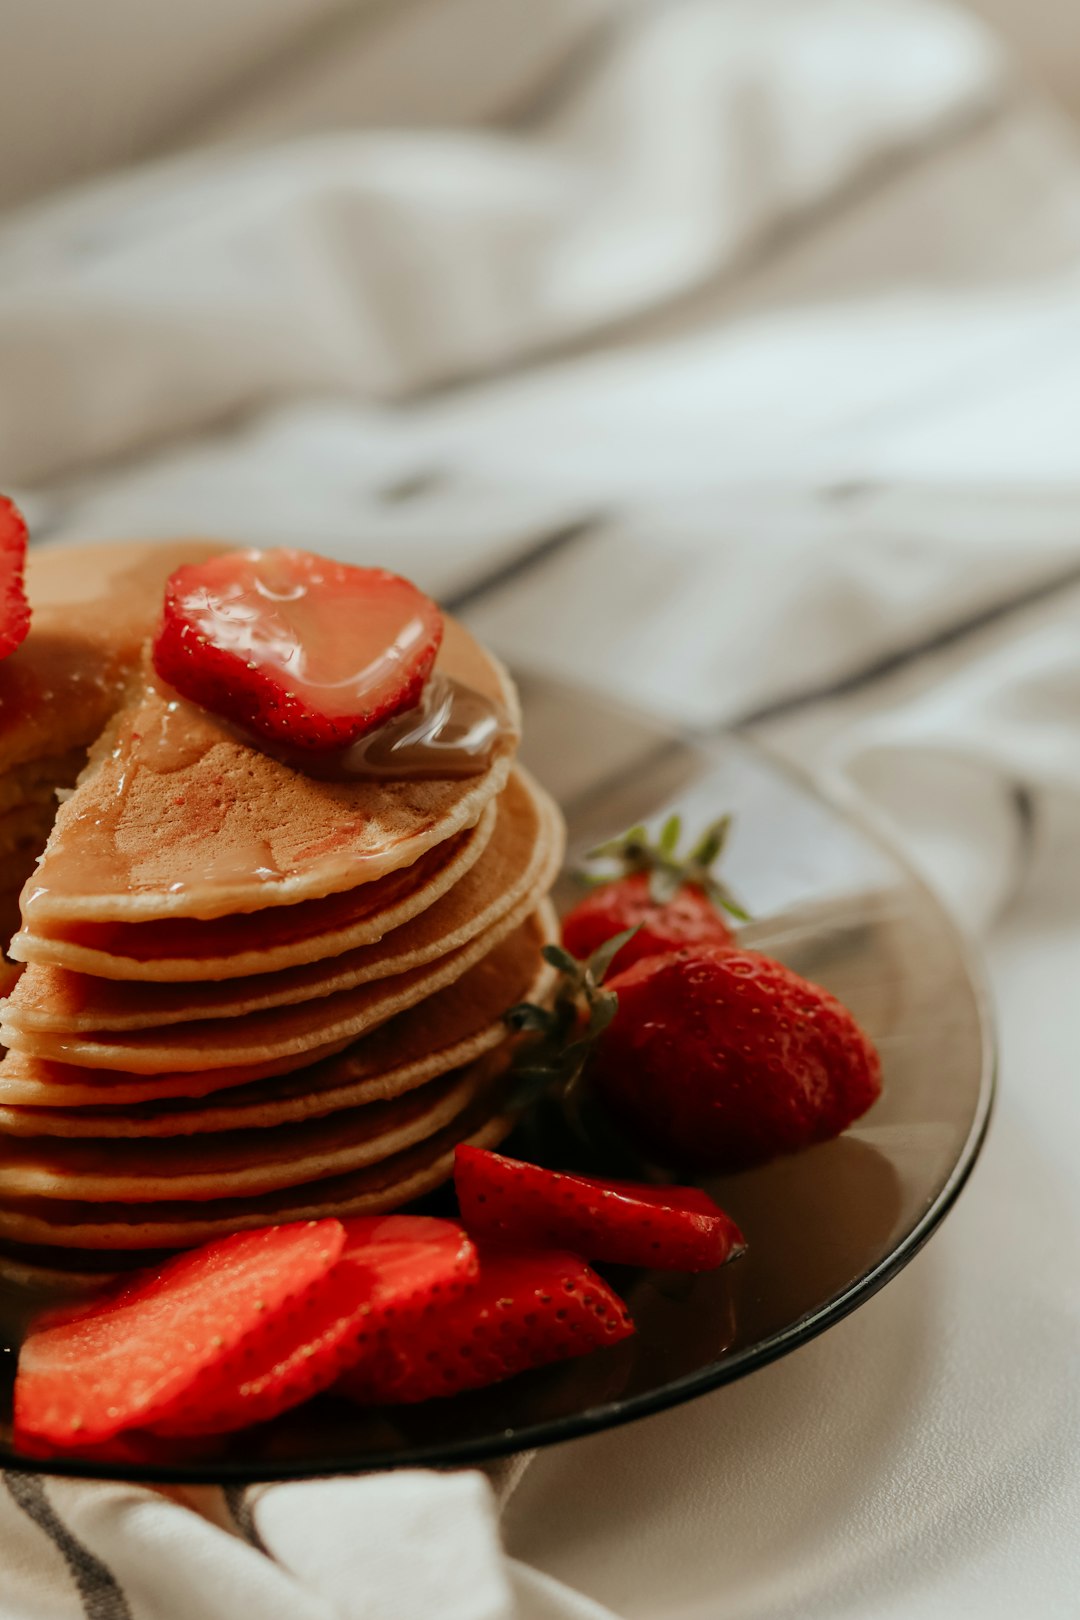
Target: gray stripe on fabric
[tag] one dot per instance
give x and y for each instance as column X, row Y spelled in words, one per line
column 656, row 756
column 539, row 552
column 101, row 1596
column 889, row 663
column 240, row 1506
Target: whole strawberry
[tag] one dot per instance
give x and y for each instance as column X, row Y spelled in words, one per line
column 669, row 901
column 688, row 919
column 721, row 1059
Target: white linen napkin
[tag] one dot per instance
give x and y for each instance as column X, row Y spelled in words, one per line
column 758, row 304
column 390, row 1547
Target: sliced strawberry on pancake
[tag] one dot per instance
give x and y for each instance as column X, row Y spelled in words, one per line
column 306, row 652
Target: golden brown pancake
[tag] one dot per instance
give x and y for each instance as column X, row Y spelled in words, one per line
column 395, row 1181
column 447, row 1031
column 235, row 1163
column 253, row 995
column 25, row 1079
column 186, row 948
column 175, row 816
column 60, row 1280
column 266, row 1036
column 524, row 853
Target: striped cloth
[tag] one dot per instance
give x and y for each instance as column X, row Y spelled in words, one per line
column 722, row 354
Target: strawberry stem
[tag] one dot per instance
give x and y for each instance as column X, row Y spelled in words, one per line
column 634, row 851
column 553, row 1061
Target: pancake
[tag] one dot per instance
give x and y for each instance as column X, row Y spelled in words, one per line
column 32, row 1080
column 175, row 816
column 71, row 1224
column 265, row 1036
column 447, row 1031
column 9, row 908
column 236, row 1163
column 58, row 1282
column 183, row 948
column 524, row 854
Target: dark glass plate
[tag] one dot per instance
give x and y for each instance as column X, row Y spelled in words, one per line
column 826, row 1228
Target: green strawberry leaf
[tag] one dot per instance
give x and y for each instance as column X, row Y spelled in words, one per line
column 601, row 959
column 668, row 872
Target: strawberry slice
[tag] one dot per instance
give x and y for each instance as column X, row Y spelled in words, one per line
column 669, row 1228
column 525, row 1310
column 308, row 653
column 120, row 1361
column 395, row 1271
column 14, row 608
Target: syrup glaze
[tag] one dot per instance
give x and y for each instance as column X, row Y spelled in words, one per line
column 206, row 823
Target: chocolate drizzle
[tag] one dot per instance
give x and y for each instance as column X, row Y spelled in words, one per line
column 453, row 732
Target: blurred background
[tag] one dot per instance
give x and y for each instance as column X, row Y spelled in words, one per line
column 724, row 354
column 91, row 87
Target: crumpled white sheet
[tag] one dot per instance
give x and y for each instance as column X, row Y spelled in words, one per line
column 778, row 301
column 387, row 263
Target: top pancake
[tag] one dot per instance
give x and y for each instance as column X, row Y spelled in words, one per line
column 176, row 816
column 521, row 859
column 180, row 949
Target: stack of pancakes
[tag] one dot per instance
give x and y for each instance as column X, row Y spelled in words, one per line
column 251, row 995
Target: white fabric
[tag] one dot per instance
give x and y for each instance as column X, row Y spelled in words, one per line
column 783, row 297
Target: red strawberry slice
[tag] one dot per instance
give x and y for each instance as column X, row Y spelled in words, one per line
column 690, row 917
column 14, row 608
column 123, row 1360
column 395, row 1271
column 308, row 653
column 525, row 1310
column 671, row 1228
